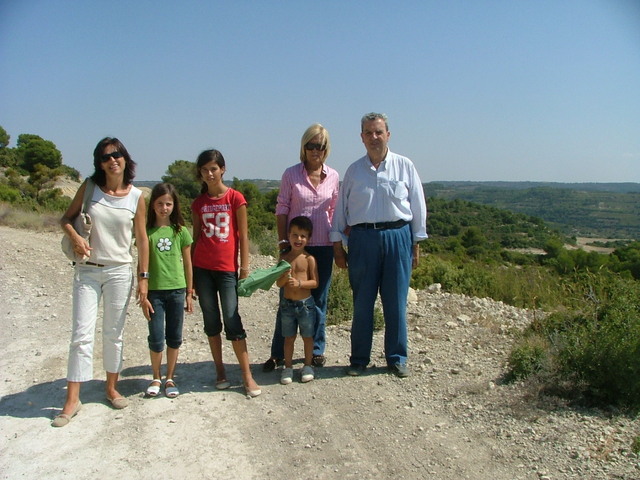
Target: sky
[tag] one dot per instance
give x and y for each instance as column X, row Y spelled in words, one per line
column 537, row 90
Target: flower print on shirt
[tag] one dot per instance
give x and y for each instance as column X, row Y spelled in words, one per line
column 164, row 244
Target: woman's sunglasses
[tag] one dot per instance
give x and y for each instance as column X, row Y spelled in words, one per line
column 107, row 156
column 315, row 146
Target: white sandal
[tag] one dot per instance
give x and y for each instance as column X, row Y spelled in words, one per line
column 153, row 390
column 171, row 391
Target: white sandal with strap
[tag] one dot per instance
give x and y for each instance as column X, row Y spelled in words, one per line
column 171, row 391
column 153, row 390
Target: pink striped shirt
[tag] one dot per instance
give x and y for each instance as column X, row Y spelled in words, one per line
column 299, row 197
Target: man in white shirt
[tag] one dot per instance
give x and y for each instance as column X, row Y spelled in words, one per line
column 382, row 210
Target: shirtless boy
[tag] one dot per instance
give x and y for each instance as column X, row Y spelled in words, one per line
column 297, row 307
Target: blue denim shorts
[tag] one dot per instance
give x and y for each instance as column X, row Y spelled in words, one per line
column 298, row 313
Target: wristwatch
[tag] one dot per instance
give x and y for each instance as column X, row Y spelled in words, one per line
column 144, row 275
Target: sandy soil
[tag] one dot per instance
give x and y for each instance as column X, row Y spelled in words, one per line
column 453, row 418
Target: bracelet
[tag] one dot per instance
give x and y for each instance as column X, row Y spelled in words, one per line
column 299, row 283
column 189, row 290
column 244, row 269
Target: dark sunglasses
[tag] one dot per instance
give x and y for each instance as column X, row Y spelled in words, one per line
column 107, row 156
column 315, row 146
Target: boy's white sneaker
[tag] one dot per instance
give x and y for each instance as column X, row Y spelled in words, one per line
column 307, row 374
column 287, row 376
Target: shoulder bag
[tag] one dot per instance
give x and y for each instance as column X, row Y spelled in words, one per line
column 81, row 224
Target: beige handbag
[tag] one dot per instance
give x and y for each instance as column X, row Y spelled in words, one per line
column 81, row 224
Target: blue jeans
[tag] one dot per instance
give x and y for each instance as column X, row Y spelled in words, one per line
column 297, row 313
column 168, row 307
column 211, row 284
column 324, row 260
column 379, row 260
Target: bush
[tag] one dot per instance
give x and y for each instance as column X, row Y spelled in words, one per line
column 529, row 357
column 53, row 201
column 595, row 347
column 9, row 194
column 526, row 286
column 635, row 446
column 340, row 300
column 263, row 241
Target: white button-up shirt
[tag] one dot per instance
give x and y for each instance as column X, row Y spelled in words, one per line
column 389, row 193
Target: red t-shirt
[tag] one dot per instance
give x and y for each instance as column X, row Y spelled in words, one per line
column 218, row 244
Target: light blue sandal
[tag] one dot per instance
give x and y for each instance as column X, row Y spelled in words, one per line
column 170, row 388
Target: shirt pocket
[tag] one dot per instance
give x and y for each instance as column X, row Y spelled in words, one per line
column 396, row 189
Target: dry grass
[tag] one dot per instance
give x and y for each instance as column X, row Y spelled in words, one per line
column 11, row 216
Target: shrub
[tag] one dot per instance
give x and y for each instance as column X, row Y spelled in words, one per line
column 635, row 446
column 378, row 318
column 527, row 286
column 340, row 300
column 529, row 357
column 263, row 241
column 595, row 347
column 9, row 194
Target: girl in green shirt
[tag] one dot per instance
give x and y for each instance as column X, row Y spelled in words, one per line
column 170, row 283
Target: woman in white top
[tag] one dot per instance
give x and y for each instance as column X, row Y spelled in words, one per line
column 117, row 211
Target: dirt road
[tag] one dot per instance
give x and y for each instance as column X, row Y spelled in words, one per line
column 452, row 419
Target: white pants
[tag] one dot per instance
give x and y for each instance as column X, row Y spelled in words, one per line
column 90, row 283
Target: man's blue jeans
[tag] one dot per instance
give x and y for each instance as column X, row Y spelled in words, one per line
column 379, row 260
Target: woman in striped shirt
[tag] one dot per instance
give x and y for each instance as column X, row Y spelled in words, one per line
column 310, row 189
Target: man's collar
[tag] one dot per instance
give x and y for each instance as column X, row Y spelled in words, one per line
column 384, row 158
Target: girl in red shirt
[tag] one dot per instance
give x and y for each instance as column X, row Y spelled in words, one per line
column 219, row 231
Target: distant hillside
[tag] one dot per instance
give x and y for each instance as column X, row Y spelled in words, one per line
column 610, row 210
column 626, row 187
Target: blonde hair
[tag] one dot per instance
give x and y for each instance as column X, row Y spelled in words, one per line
column 309, row 133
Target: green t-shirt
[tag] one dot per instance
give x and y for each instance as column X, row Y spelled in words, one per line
column 165, row 257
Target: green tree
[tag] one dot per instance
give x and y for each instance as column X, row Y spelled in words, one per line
column 42, row 178
column 628, row 259
column 25, row 138
column 7, row 155
column 182, row 175
column 4, row 138
column 473, row 237
column 260, row 212
column 33, row 150
column 14, row 179
column 553, row 247
column 70, row 172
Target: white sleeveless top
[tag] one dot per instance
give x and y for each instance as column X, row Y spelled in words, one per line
column 112, row 232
